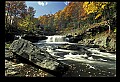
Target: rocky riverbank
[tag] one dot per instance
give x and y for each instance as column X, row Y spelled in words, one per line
column 103, row 41
column 24, row 51
column 95, row 34
column 13, row 69
column 15, row 65
column 91, row 38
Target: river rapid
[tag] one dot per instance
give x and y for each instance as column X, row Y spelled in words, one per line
column 96, row 64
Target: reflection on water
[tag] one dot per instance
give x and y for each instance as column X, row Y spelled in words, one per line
column 82, row 65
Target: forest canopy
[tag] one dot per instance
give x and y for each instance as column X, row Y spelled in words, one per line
column 74, row 15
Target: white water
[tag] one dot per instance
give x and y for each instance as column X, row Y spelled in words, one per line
column 102, row 54
column 63, row 50
column 82, row 58
column 100, row 62
column 56, row 38
column 90, row 61
column 95, row 52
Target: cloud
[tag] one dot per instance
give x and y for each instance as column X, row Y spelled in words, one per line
column 42, row 3
column 67, row 2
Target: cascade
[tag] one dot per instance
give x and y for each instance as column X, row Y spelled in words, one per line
column 56, row 38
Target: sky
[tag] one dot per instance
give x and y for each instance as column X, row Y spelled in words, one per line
column 46, row 7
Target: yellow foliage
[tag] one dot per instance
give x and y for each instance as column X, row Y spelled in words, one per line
column 115, row 30
column 102, row 6
column 89, row 7
column 92, row 7
column 26, row 23
column 97, row 16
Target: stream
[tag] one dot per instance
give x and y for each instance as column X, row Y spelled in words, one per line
column 96, row 64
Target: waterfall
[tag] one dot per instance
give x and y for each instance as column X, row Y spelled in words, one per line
column 56, row 38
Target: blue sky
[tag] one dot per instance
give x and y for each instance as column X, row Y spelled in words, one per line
column 46, row 7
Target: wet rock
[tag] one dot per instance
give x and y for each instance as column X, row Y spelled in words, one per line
column 81, row 49
column 73, row 39
column 34, row 38
column 93, row 46
column 102, row 49
column 68, row 36
column 69, row 47
column 25, row 50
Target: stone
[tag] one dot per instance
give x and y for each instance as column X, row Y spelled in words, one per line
column 34, row 38
column 8, row 54
column 80, row 48
column 75, row 38
column 24, row 49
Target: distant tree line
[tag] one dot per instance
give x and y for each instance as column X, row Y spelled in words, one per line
column 79, row 15
column 74, row 15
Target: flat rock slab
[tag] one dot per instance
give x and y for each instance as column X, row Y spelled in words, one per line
column 26, row 50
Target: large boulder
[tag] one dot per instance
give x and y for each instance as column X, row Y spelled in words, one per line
column 24, row 49
column 75, row 38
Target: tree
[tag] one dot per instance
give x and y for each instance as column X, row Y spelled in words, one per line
column 13, row 10
column 27, row 24
column 101, row 8
column 31, row 11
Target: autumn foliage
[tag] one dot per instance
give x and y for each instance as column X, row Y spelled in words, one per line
column 76, row 15
column 17, row 15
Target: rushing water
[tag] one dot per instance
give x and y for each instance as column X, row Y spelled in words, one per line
column 82, row 65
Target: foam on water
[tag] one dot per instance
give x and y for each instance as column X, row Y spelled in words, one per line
column 102, row 54
column 56, row 39
column 84, row 58
column 63, row 50
column 59, row 43
column 97, row 57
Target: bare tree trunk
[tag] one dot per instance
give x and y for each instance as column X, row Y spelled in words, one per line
column 108, row 24
column 11, row 20
column 6, row 19
column 109, row 29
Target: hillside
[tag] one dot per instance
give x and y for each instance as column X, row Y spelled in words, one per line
column 76, row 19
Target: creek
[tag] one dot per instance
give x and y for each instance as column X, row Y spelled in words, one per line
column 96, row 64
